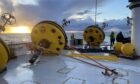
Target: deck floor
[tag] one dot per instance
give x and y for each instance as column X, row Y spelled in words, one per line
column 64, row 70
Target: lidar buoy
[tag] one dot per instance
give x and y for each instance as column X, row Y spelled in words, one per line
column 3, row 57
column 6, row 47
column 117, row 46
column 128, row 49
column 50, row 36
column 94, row 36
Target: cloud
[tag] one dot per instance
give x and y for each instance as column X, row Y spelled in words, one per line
column 6, row 6
column 32, row 11
column 83, row 12
column 25, row 2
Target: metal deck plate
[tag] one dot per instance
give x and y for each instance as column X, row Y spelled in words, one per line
column 72, row 80
column 64, row 70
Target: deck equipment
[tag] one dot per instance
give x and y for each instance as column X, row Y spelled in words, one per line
column 94, row 36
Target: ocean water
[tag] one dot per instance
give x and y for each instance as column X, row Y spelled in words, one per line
column 26, row 37
column 16, row 38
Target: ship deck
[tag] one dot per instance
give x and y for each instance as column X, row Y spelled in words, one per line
column 64, row 70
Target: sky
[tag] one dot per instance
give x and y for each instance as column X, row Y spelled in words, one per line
column 115, row 9
column 79, row 12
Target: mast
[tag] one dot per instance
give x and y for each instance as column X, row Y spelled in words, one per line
column 96, row 12
column 135, row 38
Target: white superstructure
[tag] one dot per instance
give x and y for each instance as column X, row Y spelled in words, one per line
column 135, row 36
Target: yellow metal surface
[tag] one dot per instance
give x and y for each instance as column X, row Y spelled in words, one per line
column 94, row 36
column 3, row 57
column 5, row 46
column 117, row 46
column 128, row 49
column 108, row 57
column 50, row 32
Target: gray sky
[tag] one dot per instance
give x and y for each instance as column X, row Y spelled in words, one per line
column 80, row 12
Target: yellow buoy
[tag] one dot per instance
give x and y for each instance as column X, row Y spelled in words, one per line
column 94, row 36
column 50, row 36
column 128, row 49
column 3, row 57
column 5, row 46
column 117, row 46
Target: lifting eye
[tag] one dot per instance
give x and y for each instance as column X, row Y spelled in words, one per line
column 53, row 30
column 97, row 31
column 59, row 37
column 61, row 43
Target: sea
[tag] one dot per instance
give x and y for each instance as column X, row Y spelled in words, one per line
column 26, row 37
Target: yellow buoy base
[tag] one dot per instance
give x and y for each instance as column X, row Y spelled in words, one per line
column 128, row 49
column 94, row 36
column 117, row 46
column 49, row 35
column 3, row 57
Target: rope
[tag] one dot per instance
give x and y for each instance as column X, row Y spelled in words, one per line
column 92, row 60
column 107, row 70
column 87, row 62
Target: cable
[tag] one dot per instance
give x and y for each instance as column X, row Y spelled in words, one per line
column 107, row 70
